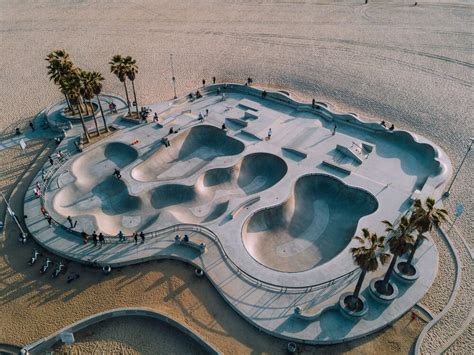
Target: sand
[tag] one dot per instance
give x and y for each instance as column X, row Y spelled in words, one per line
column 387, row 60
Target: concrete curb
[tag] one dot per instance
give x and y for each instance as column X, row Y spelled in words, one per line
column 47, row 342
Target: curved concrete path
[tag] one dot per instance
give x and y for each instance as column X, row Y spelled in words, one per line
column 48, row 342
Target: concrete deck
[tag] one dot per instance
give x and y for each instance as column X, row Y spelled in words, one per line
column 264, row 267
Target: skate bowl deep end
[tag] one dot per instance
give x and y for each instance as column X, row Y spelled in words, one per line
column 311, row 227
column 188, row 153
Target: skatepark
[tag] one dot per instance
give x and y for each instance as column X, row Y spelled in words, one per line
column 268, row 190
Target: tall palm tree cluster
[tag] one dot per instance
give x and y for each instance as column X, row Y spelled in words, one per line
column 401, row 240
column 126, row 68
column 79, row 87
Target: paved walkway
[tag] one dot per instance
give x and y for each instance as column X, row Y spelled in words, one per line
column 450, row 332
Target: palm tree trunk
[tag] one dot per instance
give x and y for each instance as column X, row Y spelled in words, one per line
column 68, row 103
column 413, row 249
column 355, row 295
column 102, row 113
column 86, row 134
column 128, row 100
column 85, row 104
column 95, row 118
column 135, row 97
column 389, row 272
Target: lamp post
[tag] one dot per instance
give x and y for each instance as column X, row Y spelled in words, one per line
column 446, row 194
column 12, row 214
column 173, row 77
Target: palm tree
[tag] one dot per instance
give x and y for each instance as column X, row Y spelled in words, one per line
column 426, row 216
column 87, row 93
column 96, row 84
column 59, row 66
column 367, row 257
column 73, row 87
column 400, row 242
column 118, row 68
column 132, row 71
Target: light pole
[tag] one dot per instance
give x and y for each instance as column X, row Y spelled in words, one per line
column 12, row 214
column 172, row 74
column 446, row 194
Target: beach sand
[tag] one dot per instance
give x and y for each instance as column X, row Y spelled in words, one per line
column 387, row 60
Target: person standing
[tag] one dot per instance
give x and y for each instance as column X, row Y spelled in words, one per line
column 51, row 161
column 269, row 135
column 135, row 237
column 213, row 79
column 121, row 236
column 203, row 82
column 334, row 129
column 69, row 219
column 142, row 236
column 32, row 126
column 101, row 239
column 50, row 221
column 94, row 238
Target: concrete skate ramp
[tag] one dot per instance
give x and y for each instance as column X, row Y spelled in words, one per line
column 254, row 173
column 209, row 198
column 189, row 152
column 314, row 225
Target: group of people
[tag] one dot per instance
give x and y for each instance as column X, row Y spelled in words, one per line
column 391, row 128
column 37, row 189
column 135, row 235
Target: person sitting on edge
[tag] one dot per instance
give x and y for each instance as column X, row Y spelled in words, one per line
column 120, row 236
column 392, row 127
column 198, row 95
column 171, row 131
column 186, row 238
column 201, row 117
column 264, row 93
column 224, row 127
column 383, row 124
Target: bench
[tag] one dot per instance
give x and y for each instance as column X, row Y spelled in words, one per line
column 201, row 247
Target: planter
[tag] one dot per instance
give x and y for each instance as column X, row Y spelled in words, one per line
column 361, row 310
column 85, row 116
column 410, row 277
column 380, row 297
column 106, row 269
column 292, row 348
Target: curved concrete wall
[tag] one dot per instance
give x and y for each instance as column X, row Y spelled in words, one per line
column 196, row 146
column 315, row 224
column 46, row 343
